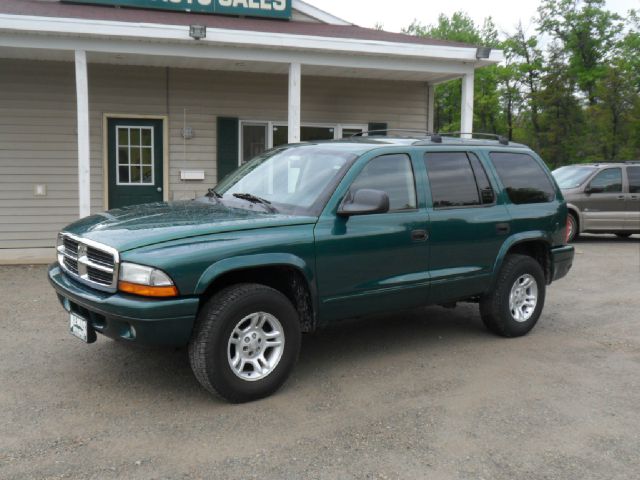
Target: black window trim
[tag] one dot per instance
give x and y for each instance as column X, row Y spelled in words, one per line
column 622, row 175
column 458, row 207
column 413, row 174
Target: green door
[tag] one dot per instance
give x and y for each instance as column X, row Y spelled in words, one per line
column 135, row 162
column 377, row 262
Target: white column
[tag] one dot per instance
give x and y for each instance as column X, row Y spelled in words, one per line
column 431, row 107
column 82, row 100
column 466, row 118
column 295, row 78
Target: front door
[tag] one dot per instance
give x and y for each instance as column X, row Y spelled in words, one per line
column 135, row 161
column 377, row 262
column 603, row 208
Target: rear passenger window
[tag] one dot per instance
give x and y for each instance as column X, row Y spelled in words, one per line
column 634, row 179
column 523, row 178
column 391, row 174
column 457, row 179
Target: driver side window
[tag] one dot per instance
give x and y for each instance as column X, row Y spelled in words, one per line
column 608, row 181
column 393, row 175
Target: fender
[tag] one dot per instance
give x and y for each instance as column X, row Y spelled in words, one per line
column 510, row 242
column 254, row 261
column 572, row 208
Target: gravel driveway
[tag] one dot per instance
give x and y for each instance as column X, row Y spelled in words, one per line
column 424, row 394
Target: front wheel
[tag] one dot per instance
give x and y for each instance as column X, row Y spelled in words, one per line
column 515, row 304
column 573, row 228
column 245, row 343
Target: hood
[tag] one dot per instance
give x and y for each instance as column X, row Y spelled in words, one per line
column 141, row 225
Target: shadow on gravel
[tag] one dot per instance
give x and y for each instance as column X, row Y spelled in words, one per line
column 125, row 366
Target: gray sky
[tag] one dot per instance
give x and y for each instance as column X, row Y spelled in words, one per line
column 395, row 14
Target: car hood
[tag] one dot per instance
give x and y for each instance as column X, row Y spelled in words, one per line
column 141, row 225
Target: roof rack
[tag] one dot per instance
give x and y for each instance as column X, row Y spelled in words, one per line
column 633, row 162
column 501, row 138
column 391, row 130
column 435, row 137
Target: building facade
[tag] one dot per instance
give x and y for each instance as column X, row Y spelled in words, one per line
column 107, row 103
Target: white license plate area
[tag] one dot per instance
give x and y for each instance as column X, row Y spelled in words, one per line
column 79, row 327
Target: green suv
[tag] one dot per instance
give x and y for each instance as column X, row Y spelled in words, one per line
column 314, row 233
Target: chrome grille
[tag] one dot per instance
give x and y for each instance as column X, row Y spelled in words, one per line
column 89, row 262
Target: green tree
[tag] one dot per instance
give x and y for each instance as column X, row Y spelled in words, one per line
column 588, row 33
column 487, row 112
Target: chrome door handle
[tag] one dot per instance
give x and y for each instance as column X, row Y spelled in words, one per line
column 159, row 189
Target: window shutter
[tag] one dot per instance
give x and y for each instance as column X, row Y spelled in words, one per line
column 378, row 126
column 228, row 138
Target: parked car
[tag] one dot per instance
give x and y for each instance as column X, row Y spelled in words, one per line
column 309, row 234
column 601, row 197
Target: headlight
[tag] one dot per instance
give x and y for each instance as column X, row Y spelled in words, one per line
column 145, row 281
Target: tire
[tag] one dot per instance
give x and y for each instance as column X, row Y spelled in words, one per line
column 495, row 307
column 228, row 331
column 623, row 235
column 574, row 228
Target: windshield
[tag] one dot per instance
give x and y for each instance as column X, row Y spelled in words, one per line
column 572, row 176
column 290, row 179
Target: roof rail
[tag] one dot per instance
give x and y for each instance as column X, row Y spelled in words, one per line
column 633, row 162
column 391, row 130
column 501, row 138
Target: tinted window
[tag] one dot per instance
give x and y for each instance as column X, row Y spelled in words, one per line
column 634, row 179
column 454, row 182
column 484, row 187
column 391, row 174
column 523, row 178
column 608, row 181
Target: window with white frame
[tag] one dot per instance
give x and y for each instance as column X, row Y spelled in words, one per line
column 134, row 152
column 256, row 136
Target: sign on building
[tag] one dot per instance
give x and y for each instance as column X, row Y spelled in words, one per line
column 250, row 8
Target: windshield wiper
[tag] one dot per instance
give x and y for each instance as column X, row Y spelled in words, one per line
column 249, row 197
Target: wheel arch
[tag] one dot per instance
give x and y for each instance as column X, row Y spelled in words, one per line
column 575, row 211
column 286, row 273
column 534, row 245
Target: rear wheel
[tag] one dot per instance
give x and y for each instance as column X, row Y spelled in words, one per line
column 512, row 309
column 574, row 229
column 245, row 343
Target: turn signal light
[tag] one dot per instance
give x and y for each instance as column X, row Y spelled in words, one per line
column 148, row 290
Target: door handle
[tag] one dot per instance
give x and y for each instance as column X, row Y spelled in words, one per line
column 620, row 197
column 503, row 228
column 159, row 189
column 419, row 235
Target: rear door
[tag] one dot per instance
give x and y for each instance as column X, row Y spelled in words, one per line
column 633, row 198
column 604, row 206
column 467, row 224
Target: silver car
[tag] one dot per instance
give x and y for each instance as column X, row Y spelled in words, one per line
column 602, row 198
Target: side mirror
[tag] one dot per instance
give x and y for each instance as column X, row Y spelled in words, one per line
column 589, row 190
column 364, row 202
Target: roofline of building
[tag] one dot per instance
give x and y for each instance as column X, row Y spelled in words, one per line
column 151, row 32
column 320, row 15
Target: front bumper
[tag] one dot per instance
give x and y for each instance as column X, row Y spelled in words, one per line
column 561, row 261
column 167, row 322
